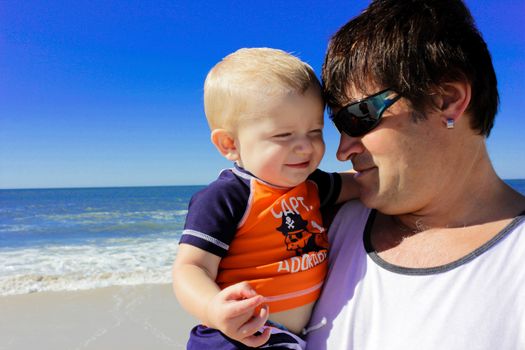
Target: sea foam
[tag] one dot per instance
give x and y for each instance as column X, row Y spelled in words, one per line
column 126, row 261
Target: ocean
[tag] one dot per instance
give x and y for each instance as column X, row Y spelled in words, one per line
column 73, row 239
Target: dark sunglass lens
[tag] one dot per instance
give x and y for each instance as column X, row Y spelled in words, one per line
column 359, row 118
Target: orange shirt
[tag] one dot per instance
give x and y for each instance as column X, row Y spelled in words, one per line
column 280, row 245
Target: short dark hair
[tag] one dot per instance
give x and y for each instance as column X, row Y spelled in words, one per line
column 413, row 47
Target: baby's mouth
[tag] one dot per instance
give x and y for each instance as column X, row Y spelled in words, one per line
column 299, row 165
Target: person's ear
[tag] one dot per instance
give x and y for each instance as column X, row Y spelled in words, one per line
column 454, row 100
column 225, row 144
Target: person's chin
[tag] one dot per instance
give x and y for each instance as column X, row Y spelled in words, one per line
column 297, row 173
column 292, row 181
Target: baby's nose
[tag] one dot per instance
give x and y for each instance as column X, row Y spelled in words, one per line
column 304, row 145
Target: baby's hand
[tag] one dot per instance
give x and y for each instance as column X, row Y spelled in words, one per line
column 232, row 312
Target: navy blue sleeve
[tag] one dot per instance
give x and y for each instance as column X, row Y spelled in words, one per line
column 214, row 213
column 329, row 185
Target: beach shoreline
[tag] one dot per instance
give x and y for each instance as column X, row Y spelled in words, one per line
column 117, row 317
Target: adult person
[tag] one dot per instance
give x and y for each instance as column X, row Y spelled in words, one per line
column 437, row 262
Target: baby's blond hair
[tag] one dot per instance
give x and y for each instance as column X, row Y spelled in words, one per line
column 250, row 73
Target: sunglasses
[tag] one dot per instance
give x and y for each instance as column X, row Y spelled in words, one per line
column 358, row 118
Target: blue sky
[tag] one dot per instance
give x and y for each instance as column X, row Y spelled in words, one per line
column 109, row 93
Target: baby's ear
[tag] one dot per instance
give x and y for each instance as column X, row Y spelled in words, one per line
column 225, row 143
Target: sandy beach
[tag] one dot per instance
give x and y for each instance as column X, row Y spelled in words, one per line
column 128, row 317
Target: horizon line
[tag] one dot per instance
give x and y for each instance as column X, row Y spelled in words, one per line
column 94, row 187
column 130, row 186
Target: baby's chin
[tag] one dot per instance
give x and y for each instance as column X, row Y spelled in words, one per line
column 291, row 182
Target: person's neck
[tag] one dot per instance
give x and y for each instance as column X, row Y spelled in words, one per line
column 475, row 196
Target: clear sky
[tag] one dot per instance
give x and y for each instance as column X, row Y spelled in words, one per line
column 109, row 93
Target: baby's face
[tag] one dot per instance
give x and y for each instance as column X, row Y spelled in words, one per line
column 284, row 143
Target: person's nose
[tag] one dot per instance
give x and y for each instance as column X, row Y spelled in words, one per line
column 304, row 146
column 348, row 147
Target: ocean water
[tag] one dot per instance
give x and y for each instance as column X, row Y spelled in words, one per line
column 71, row 239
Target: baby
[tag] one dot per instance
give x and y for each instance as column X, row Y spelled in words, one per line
column 252, row 257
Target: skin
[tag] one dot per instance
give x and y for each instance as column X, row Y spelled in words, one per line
column 280, row 142
column 436, row 192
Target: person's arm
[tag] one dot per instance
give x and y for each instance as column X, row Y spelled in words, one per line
column 231, row 310
column 349, row 187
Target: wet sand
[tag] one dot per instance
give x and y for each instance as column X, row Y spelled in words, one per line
column 130, row 317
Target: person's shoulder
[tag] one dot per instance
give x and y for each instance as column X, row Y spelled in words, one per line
column 227, row 184
column 216, row 210
column 351, row 211
column 227, row 191
column 354, row 205
column 348, row 227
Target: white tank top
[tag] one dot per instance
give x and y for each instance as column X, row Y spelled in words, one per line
column 477, row 302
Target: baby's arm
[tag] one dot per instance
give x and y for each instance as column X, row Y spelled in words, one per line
column 230, row 310
column 349, row 187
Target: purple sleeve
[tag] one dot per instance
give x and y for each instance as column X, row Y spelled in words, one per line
column 214, row 213
column 329, row 185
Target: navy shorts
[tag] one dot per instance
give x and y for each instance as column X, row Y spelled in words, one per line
column 202, row 337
